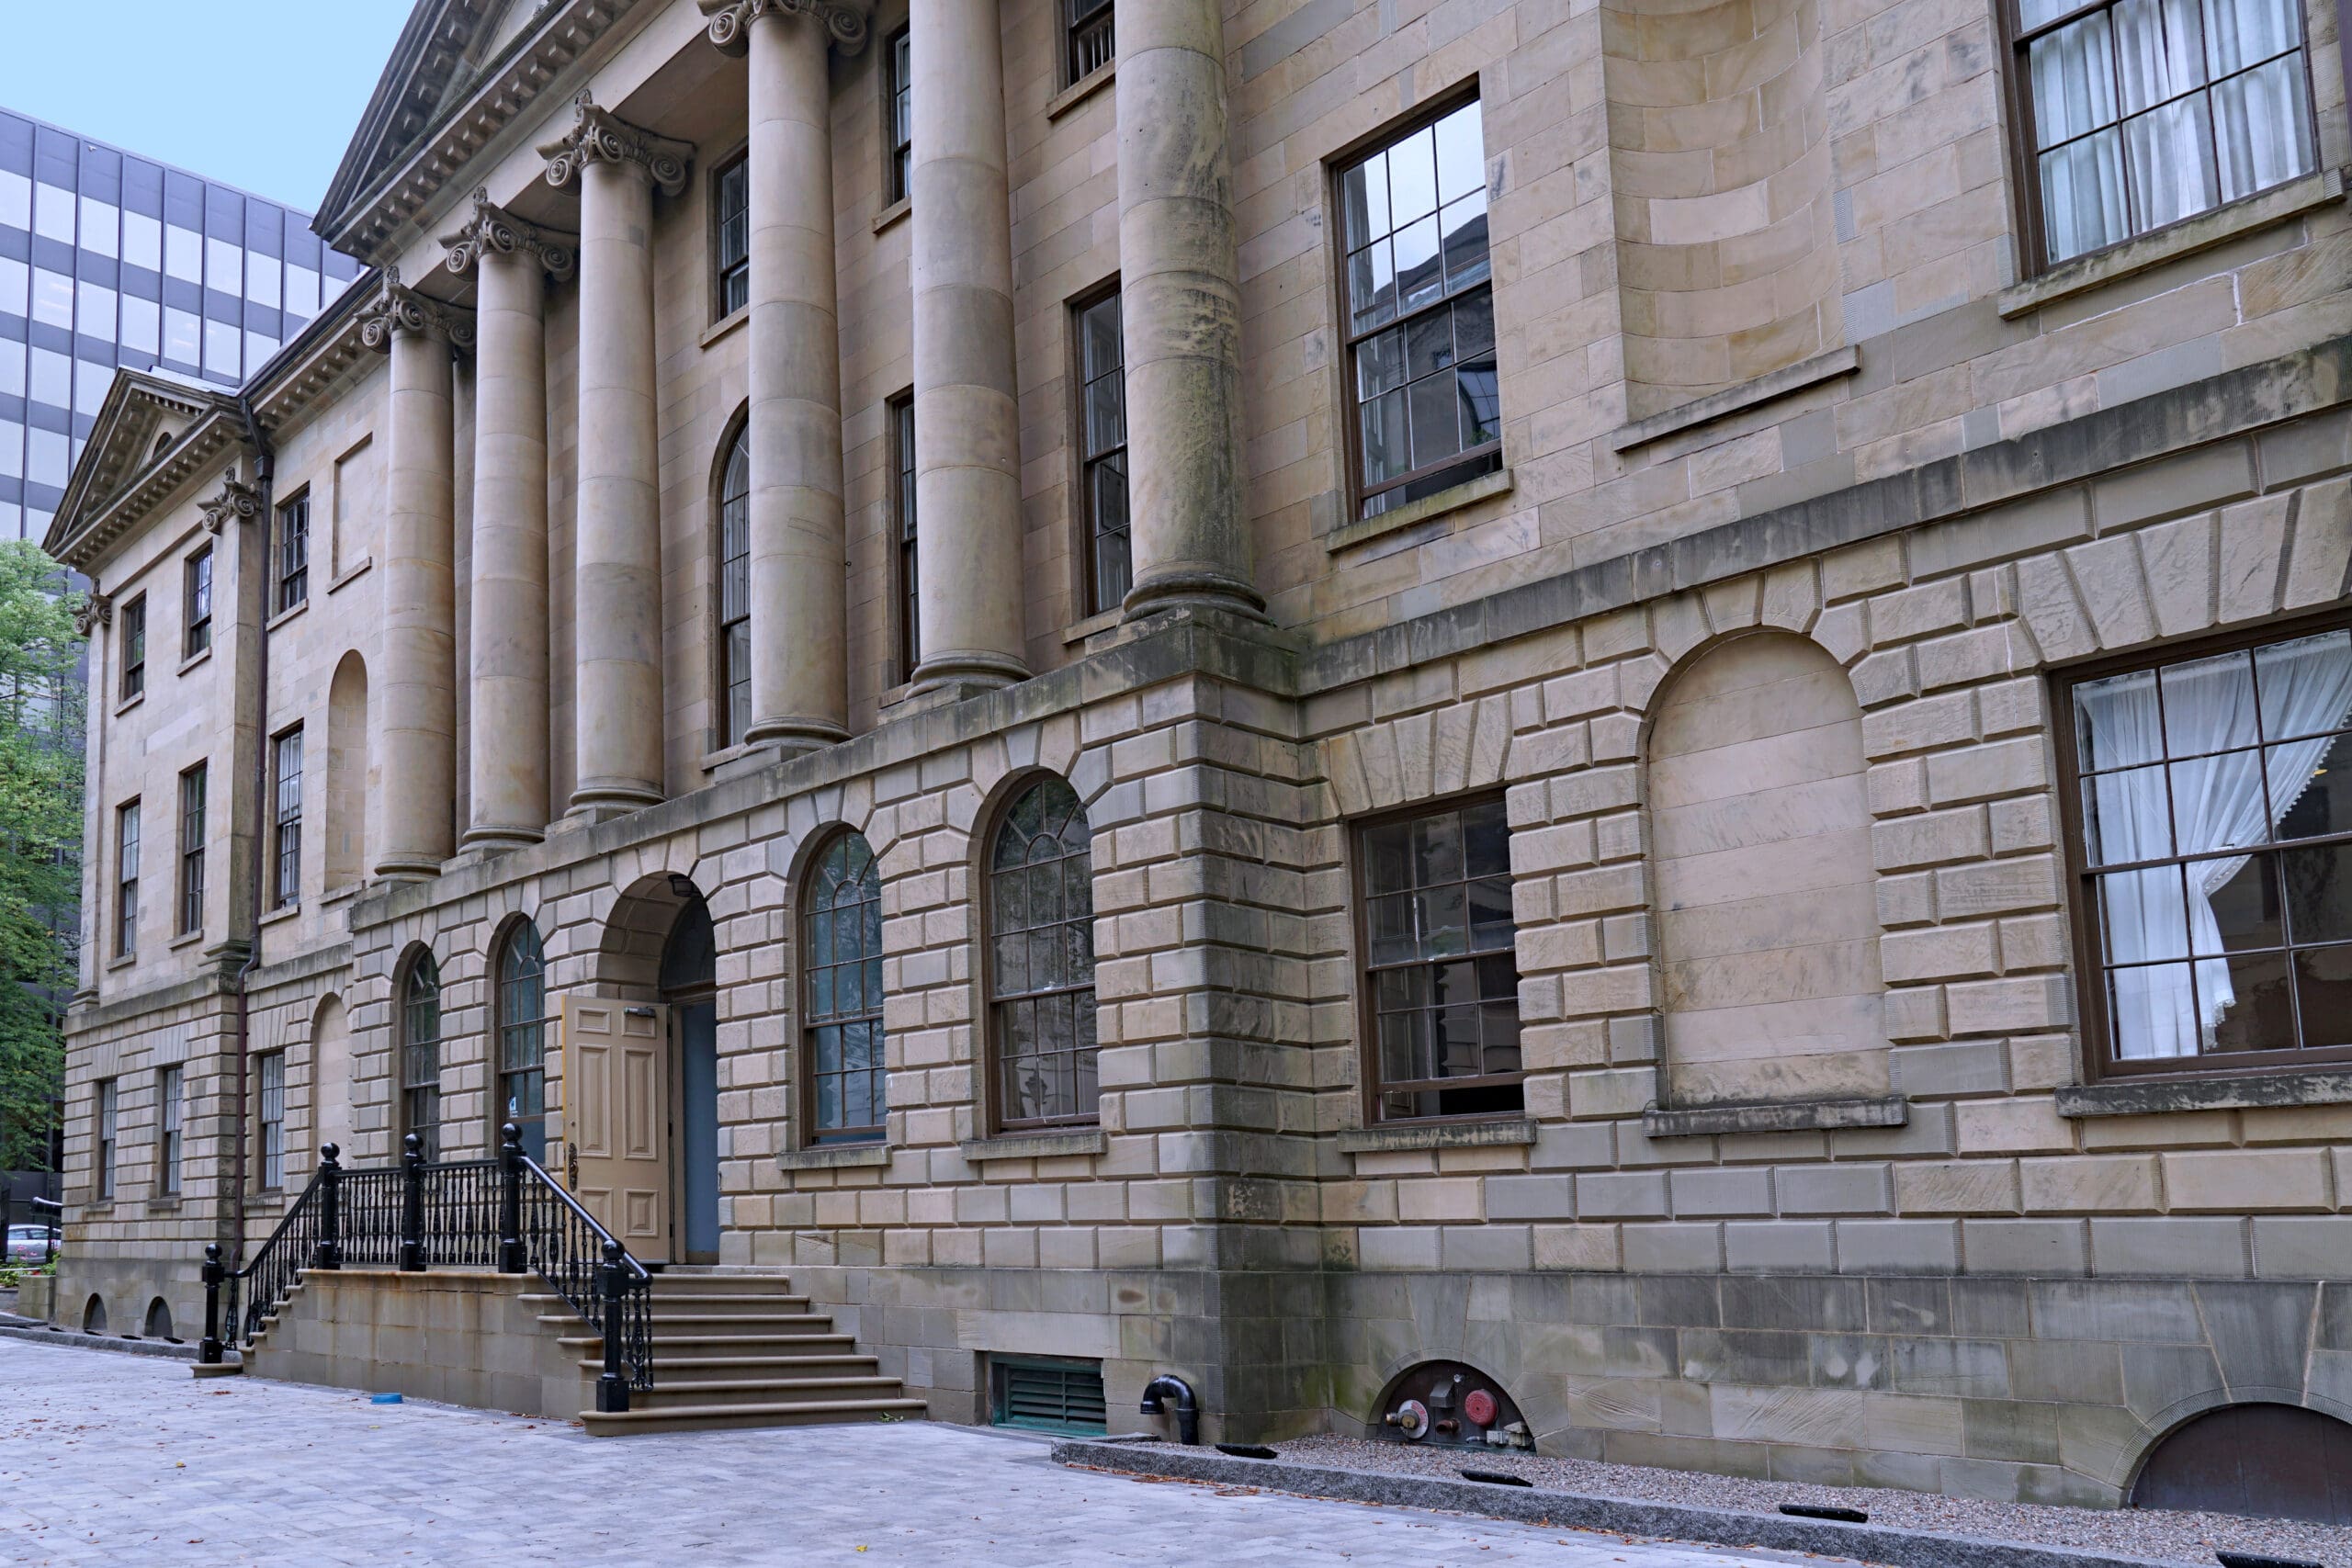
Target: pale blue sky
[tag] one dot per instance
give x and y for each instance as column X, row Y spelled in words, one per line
column 258, row 94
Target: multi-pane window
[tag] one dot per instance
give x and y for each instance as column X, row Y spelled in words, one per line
column 899, row 59
column 2140, row 113
column 286, row 878
column 126, row 880
column 2214, row 855
column 735, row 593
column 1442, row 982
column 522, row 1036
column 1103, row 451
column 421, row 1055
column 269, row 1076
column 102, row 1168
column 1421, row 314
column 191, row 910
column 167, row 1144
column 294, row 552
column 197, row 603
column 902, row 435
column 731, row 241
column 1086, row 26
column 134, row 647
column 841, row 932
column 1041, row 959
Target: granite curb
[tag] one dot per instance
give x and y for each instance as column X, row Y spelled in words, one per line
column 1577, row 1510
column 41, row 1333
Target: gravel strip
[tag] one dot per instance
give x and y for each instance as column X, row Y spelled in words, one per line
column 2130, row 1532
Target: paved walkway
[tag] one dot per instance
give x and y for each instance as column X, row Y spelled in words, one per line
column 124, row 1461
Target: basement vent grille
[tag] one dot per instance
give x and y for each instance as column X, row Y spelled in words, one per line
column 1050, row 1396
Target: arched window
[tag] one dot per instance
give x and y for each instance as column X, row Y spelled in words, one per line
column 1041, row 959
column 421, row 1055
column 735, row 593
column 521, row 1031
column 841, row 945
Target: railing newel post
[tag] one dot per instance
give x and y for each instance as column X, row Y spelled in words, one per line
column 612, row 1388
column 510, row 1257
column 412, row 1205
column 208, row 1350
column 329, row 1253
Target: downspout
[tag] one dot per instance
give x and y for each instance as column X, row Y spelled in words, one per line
column 265, row 469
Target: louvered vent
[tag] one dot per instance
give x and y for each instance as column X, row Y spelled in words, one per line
column 1050, row 1396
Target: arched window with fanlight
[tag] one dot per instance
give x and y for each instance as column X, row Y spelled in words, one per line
column 522, row 1036
column 735, row 591
column 841, row 932
column 1041, row 959
column 421, row 1053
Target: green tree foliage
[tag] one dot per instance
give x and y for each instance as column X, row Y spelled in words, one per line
column 41, row 704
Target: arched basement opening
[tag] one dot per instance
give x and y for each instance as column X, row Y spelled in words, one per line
column 2271, row 1460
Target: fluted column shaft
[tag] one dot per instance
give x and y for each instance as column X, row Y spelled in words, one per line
column 420, row 680
column 968, row 426
column 799, row 610
column 1180, row 307
column 617, row 722
column 507, row 763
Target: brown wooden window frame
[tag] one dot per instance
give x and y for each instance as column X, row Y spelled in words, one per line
column 196, row 603
column 998, row 999
column 1090, row 38
column 731, row 612
column 269, row 1108
column 286, row 818
column 421, row 1036
column 898, row 115
column 127, row 835
column 731, row 269
column 171, row 1086
column 106, row 1139
column 1370, row 970
column 1107, row 459
column 2100, row 1060
column 2025, row 154
column 821, row 975
column 134, row 648
column 194, row 784
column 291, row 560
column 519, row 1035
column 904, row 528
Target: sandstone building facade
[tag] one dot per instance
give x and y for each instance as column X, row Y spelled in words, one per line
column 1649, row 697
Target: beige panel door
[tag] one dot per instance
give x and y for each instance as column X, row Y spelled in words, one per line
column 616, row 1116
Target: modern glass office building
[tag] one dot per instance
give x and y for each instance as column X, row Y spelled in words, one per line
column 108, row 259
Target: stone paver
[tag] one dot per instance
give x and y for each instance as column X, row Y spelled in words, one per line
column 118, row 1460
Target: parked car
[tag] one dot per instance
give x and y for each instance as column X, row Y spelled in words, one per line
column 31, row 1244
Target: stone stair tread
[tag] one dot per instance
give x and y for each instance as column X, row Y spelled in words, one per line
column 686, row 1418
column 778, row 1385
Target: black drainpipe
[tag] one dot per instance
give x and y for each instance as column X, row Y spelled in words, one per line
column 1188, row 1409
column 265, row 469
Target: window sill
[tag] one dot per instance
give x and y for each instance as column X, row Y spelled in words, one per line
column 183, row 939
column 1746, row 395
column 2185, row 238
column 2236, row 1091
column 193, row 659
column 890, row 216
column 127, row 704
column 1400, row 1136
column 1362, row 531
column 121, row 960
column 284, row 615
column 1799, row 1116
column 835, row 1157
column 1051, row 1144
column 283, row 912
column 1079, row 631
column 1085, row 87
column 351, row 573
column 162, row 1205
column 725, row 326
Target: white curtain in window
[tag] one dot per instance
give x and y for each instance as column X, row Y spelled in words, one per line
column 2215, row 803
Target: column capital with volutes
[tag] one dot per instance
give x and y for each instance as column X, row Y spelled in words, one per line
column 490, row 227
column 730, row 20
column 599, row 136
column 399, row 308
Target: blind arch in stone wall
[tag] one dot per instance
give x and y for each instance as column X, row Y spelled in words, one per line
column 1762, row 879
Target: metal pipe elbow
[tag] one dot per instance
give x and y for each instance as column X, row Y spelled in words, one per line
column 1187, row 1410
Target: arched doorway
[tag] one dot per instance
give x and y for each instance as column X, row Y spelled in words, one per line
column 2271, row 1460
column 690, row 987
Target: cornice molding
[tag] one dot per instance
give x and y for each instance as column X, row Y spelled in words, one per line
column 491, row 227
column 399, row 308
column 730, row 20
column 237, row 500
column 599, row 136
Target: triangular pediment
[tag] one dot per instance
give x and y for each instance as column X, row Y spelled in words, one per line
column 153, row 429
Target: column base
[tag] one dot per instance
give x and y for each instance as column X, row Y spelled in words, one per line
column 491, row 840
column 1201, row 587
column 968, row 667
column 790, row 735
column 408, row 870
column 604, row 799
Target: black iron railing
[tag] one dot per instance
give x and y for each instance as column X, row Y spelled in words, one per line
column 506, row 1213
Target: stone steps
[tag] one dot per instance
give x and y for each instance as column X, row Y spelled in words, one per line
column 723, row 1417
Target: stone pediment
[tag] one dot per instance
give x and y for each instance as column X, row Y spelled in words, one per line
column 128, row 452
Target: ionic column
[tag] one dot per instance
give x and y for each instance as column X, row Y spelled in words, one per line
column 799, row 602
column 507, row 763
column 1180, row 307
column 968, row 425
column 616, row 721
column 420, row 678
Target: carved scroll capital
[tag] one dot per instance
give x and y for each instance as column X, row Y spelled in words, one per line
column 597, row 136
column 730, row 20
column 491, row 227
column 399, row 308
column 237, row 500
column 93, row 611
